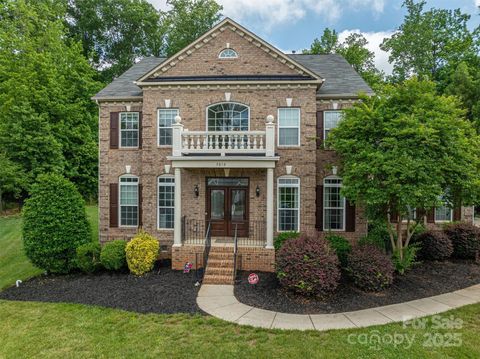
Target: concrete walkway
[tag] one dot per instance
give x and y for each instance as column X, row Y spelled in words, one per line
column 219, row 301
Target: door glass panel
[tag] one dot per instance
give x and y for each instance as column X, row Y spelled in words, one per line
column 218, row 204
column 238, row 204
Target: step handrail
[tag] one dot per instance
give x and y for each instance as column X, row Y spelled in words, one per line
column 208, row 245
column 235, row 252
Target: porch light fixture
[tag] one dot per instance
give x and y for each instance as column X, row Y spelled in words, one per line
column 196, row 190
column 257, row 191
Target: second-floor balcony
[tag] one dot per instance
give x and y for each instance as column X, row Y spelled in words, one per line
column 223, row 143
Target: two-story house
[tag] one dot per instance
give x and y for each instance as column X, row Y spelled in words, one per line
column 224, row 140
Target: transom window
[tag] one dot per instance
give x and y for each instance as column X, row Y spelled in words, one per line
column 228, row 116
column 166, row 117
column 333, row 205
column 228, row 54
column 289, row 127
column 331, row 119
column 288, row 215
column 166, row 202
column 129, row 201
column 129, row 124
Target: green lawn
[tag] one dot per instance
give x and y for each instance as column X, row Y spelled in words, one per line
column 29, row 329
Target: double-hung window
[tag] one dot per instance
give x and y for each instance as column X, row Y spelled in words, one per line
column 129, row 201
column 166, row 117
column 129, row 126
column 444, row 213
column 288, row 204
column 166, row 202
column 331, row 119
column 333, row 205
column 289, row 127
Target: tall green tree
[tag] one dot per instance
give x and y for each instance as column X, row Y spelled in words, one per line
column 404, row 148
column 187, row 20
column 430, row 43
column 11, row 178
column 47, row 121
column 327, row 44
column 114, row 33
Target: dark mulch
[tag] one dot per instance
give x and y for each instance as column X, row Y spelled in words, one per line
column 160, row 291
column 425, row 280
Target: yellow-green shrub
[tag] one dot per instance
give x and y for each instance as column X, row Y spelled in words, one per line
column 142, row 252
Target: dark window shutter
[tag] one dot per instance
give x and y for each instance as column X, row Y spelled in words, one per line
column 319, row 208
column 319, row 129
column 349, row 217
column 140, row 209
column 420, row 212
column 393, row 216
column 140, row 137
column 113, row 204
column 114, row 129
column 431, row 215
column 457, row 213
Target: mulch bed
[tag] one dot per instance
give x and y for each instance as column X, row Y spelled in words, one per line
column 161, row 291
column 425, row 280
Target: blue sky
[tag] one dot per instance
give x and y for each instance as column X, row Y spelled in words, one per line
column 293, row 24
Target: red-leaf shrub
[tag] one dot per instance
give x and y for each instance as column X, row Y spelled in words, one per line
column 370, row 268
column 465, row 238
column 434, row 245
column 308, row 266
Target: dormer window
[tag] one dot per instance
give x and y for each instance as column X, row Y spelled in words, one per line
column 228, row 54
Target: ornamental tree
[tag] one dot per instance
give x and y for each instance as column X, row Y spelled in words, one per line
column 406, row 148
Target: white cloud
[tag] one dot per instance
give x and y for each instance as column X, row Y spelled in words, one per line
column 276, row 12
column 477, row 2
column 374, row 40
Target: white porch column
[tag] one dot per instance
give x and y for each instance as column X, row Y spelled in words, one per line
column 177, row 229
column 270, row 203
column 270, row 137
column 177, row 129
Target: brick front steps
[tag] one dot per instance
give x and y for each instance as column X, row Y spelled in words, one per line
column 220, row 266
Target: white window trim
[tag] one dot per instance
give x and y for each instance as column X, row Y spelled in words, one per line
column 324, row 208
column 299, row 127
column 158, row 126
column 158, row 200
column 278, row 200
column 405, row 220
column 120, row 200
column 120, row 130
column 224, row 103
column 443, row 220
column 227, row 57
column 324, row 123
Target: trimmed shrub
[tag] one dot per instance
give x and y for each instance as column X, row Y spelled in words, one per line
column 54, row 224
column 342, row 247
column 465, row 238
column 88, row 257
column 434, row 245
column 370, row 268
column 308, row 266
column 282, row 237
column 377, row 235
column 142, row 252
column 113, row 256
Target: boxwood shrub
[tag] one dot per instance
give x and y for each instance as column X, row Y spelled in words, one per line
column 54, row 224
column 113, row 256
column 434, row 245
column 341, row 246
column 88, row 257
column 308, row 266
column 465, row 238
column 142, row 253
column 370, row 268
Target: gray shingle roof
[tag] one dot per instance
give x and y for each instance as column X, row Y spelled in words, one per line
column 341, row 80
column 123, row 87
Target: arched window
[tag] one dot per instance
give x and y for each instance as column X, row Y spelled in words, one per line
column 288, row 203
column 166, row 202
column 228, row 54
column 228, row 116
column 128, row 200
column 333, row 204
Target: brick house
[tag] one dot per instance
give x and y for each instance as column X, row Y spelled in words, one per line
column 224, row 140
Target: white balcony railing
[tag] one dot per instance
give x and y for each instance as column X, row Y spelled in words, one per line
column 223, row 143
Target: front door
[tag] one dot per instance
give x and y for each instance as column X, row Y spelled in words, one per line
column 227, row 206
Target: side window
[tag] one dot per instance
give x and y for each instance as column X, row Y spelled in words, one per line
column 288, row 204
column 129, row 125
column 331, row 119
column 166, row 202
column 128, row 201
column 289, row 127
column 166, row 117
column 333, row 205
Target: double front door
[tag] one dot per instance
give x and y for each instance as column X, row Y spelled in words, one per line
column 227, row 206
